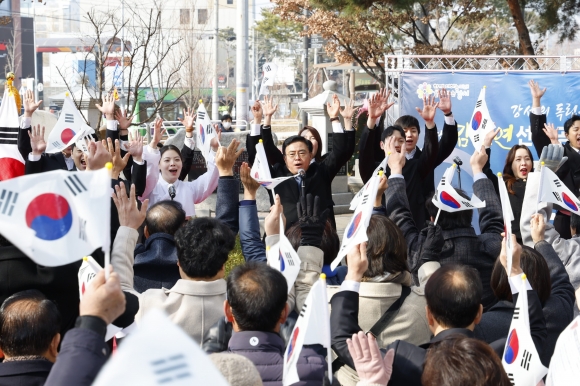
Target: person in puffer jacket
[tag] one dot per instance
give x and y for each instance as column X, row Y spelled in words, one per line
column 256, row 306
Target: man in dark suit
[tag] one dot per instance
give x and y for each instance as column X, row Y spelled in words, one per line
column 419, row 170
column 453, row 295
column 462, row 244
column 543, row 135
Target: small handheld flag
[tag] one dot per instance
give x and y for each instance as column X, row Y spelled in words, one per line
column 261, row 172
column 508, row 217
column 282, row 257
column 270, row 70
column 481, row 122
column 11, row 161
column 204, row 131
column 447, row 199
column 553, row 190
column 356, row 200
column 69, row 128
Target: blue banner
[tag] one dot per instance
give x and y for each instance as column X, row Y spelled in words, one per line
column 509, row 102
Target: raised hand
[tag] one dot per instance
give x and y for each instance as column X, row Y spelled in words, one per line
column 108, row 106
column 119, row 163
column 215, row 141
column 188, row 119
column 129, row 213
column 334, row 107
column 272, row 220
column 444, row 101
column 489, row 137
column 37, row 141
column 257, row 112
column 384, row 97
column 537, row 93
column 552, row 133
column 347, row 113
column 250, row 184
column 516, row 253
column 478, row 160
column 98, row 155
column 269, row 108
column 124, row 119
column 428, row 111
column 396, row 160
column 226, row 158
column 537, row 227
column 103, row 297
column 30, row 105
column 368, row 361
column 135, row 146
column 157, row 133
column 383, row 185
column 357, row 262
column 312, row 220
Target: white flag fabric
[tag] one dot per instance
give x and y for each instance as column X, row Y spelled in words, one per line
column 508, row 217
column 481, row 122
column 356, row 230
column 283, row 257
column 205, row 131
column 57, row 217
column 565, row 363
column 87, row 272
column 520, row 358
column 447, row 199
column 69, row 128
column 356, row 200
column 312, row 327
column 159, row 353
column 270, row 70
column 553, row 190
column 11, row 161
column 261, row 172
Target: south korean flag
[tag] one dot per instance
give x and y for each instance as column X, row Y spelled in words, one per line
column 204, row 131
column 481, row 122
column 69, row 129
column 282, row 257
column 270, row 71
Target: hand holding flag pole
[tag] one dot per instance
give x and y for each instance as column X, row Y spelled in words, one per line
column 107, row 248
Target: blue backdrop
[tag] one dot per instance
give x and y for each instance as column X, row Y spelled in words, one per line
column 508, row 100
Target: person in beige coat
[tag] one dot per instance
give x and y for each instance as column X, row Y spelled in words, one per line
column 195, row 302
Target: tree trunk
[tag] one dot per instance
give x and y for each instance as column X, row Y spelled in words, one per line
column 526, row 47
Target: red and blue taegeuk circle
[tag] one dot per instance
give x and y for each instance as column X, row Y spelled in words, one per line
column 512, row 348
column 569, row 202
column 282, row 265
column 50, row 216
column 446, row 199
column 354, row 225
column 292, row 344
column 476, row 121
column 202, row 132
column 66, row 135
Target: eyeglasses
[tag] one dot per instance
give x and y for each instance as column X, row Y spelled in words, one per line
column 301, row 154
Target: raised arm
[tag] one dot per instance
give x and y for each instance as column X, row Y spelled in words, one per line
column 537, row 119
column 428, row 158
column 449, row 134
column 273, row 154
column 30, row 106
column 228, row 186
column 253, row 248
column 187, row 152
column 152, row 155
column 490, row 216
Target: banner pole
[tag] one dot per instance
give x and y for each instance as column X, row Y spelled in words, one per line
column 437, row 218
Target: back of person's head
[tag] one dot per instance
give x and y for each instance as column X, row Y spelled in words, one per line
column 28, row 324
column 390, row 130
column 570, row 122
column 453, row 294
column 330, row 241
column 386, row 247
column 451, row 220
column 293, row 139
column 257, row 295
column 407, row 121
column 203, row 245
column 164, row 217
column 236, row 369
column 574, row 224
column 459, row 360
column 536, row 269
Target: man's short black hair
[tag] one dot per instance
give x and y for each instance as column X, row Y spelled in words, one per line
column 203, row 245
column 453, row 295
column 257, row 294
column 450, row 220
column 226, row 116
column 28, row 323
column 165, row 217
column 390, row 130
column 570, row 122
column 406, row 121
column 296, row 138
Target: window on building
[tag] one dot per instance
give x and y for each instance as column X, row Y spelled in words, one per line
column 202, row 16
column 184, row 16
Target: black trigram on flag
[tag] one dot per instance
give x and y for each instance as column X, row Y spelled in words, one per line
column 170, row 369
column 511, row 378
column 479, row 103
column 75, row 185
column 557, row 183
column 364, row 199
column 467, row 204
column 209, row 129
column 557, row 195
column 476, row 138
column 483, row 124
column 56, row 144
column 443, row 180
column 69, row 118
column 526, row 359
column 268, row 68
column 7, row 201
column 200, row 115
column 516, row 313
column 303, row 310
column 289, row 258
column 265, row 80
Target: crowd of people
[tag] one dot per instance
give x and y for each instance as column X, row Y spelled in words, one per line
column 426, row 300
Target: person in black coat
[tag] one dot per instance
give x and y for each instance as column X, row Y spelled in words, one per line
column 453, row 295
column 542, row 267
column 419, row 170
column 543, row 135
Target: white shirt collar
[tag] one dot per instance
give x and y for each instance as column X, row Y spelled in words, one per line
column 411, row 154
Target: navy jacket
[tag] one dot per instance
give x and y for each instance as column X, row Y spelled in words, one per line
column 24, row 373
column 558, row 309
column 156, row 263
column 266, row 351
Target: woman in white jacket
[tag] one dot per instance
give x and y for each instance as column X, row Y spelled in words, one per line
column 167, row 164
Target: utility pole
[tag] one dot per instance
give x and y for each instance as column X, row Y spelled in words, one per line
column 242, row 62
column 215, row 103
column 254, row 54
column 305, row 74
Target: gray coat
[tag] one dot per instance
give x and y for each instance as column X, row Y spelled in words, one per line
column 462, row 245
